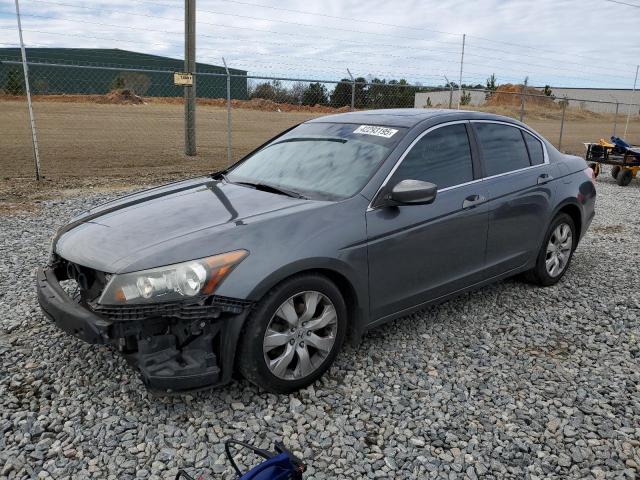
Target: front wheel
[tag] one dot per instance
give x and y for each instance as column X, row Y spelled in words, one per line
column 293, row 335
column 556, row 252
column 624, row 177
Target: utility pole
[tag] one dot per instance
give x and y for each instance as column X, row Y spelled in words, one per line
column 25, row 69
column 564, row 107
column 629, row 107
column 464, row 38
column 190, row 67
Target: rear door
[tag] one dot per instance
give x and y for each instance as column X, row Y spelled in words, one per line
column 517, row 177
column 420, row 252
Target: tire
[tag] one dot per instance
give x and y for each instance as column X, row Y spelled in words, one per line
column 286, row 305
column 624, row 177
column 614, row 171
column 540, row 274
column 596, row 169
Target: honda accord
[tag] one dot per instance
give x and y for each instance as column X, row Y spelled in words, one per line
column 333, row 227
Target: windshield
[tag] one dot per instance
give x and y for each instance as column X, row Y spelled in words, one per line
column 320, row 160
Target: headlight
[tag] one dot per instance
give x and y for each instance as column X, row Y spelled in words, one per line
column 173, row 282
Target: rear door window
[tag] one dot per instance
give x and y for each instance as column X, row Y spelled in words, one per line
column 536, row 153
column 503, row 148
column 442, row 157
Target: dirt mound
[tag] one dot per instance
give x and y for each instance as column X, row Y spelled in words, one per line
column 121, row 97
column 509, row 95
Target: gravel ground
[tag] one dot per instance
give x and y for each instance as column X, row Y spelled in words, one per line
column 511, row 381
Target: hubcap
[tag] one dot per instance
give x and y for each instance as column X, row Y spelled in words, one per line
column 559, row 250
column 300, row 335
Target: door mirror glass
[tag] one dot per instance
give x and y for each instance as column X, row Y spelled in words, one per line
column 413, row 192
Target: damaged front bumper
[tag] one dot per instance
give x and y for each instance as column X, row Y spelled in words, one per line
column 175, row 346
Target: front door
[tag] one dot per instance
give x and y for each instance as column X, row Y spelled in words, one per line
column 418, row 253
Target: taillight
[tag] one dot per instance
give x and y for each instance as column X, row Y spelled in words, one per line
column 592, row 175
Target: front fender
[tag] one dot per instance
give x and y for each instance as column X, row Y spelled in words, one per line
column 352, row 283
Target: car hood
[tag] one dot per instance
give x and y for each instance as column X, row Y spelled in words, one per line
column 160, row 226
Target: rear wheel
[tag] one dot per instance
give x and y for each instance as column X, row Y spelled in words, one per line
column 614, row 171
column 624, row 177
column 556, row 252
column 294, row 334
column 596, row 168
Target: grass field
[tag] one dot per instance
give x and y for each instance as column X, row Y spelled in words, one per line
column 99, row 144
column 87, row 139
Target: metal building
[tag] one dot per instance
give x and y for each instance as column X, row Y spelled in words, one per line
column 90, row 71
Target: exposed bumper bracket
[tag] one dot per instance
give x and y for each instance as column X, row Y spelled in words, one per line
column 174, row 349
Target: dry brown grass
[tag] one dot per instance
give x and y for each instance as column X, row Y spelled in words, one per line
column 85, row 144
column 128, row 97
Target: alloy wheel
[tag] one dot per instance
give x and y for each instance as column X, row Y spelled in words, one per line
column 559, row 250
column 300, row 335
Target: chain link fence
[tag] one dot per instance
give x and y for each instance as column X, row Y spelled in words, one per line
column 110, row 121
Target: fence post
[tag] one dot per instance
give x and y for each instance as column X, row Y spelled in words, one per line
column 564, row 107
column 450, row 91
column 524, row 89
column 25, row 69
column 353, row 91
column 629, row 107
column 229, row 156
column 615, row 119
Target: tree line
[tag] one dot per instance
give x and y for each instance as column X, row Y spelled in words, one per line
column 376, row 93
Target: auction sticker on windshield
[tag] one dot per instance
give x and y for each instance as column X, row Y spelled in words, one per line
column 377, row 131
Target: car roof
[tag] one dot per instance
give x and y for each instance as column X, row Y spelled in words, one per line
column 407, row 117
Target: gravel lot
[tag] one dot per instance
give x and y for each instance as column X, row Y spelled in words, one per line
column 511, row 381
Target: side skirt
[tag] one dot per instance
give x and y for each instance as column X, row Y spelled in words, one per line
column 444, row 298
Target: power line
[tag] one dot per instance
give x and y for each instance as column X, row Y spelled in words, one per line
column 375, row 23
column 385, row 55
column 297, row 24
column 624, row 3
column 67, row 19
column 323, row 15
column 325, row 27
column 219, row 25
column 333, row 39
column 316, row 58
column 112, row 39
column 352, row 19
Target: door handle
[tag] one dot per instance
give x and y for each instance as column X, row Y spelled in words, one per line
column 472, row 201
column 544, row 178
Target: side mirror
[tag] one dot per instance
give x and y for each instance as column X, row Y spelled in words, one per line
column 412, row 192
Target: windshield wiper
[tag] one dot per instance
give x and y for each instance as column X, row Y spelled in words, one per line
column 265, row 187
column 220, row 175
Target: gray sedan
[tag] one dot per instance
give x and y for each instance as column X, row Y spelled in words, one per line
column 329, row 229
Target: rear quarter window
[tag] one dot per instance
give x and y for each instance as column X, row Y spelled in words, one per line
column 536, row 152
column 503, row 148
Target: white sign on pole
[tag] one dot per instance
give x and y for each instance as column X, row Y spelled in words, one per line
column 184, row 79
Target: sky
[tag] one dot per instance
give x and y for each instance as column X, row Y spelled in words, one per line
column 580, row 43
